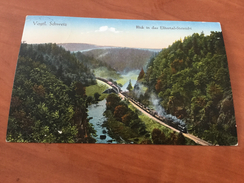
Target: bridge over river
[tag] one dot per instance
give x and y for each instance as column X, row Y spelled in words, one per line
column 117, row 90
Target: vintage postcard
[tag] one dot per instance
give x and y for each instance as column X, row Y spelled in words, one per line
column 92, row 80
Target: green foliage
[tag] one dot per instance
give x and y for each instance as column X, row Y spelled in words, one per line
column 129, row 87
column 118, row 130
column 158, row 137
column 96, row 96
column 123, row 122
column 112, row 101
column 192, row 81
column 120, row 111
column 64, row 65
column 48, row 99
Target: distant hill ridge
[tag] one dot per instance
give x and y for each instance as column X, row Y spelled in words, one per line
column 122, row 59
column 85, row 46
column 78, row 46
column 118, row 58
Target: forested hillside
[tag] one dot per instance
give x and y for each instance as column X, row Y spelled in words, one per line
column 99, row 68
column 122, row 59
column 192, row 81
column 49, row 100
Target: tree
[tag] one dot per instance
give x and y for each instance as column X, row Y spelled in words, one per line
column 146, row 142
column 180, row 139
column 80, row 89
column 129, row 87
column 158, row 86
column 60, row 71
column 127, row 118
column 120, row 111
column 89, row 99
column 96, row 96
column 158, row 136
column 141, row 75
column 112, row 101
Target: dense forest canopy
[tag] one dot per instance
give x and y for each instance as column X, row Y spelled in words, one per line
column 49, row 100
column 191, row 79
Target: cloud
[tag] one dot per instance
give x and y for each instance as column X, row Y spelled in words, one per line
column 106, row 28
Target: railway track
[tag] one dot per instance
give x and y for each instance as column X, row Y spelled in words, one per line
column 190, row 136
column 149, row 113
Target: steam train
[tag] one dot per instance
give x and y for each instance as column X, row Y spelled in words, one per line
column 168, row 120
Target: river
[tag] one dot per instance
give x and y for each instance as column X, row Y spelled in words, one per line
column 96, row 112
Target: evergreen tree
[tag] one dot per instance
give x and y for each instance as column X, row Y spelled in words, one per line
column 129, row 87
column 141, row 75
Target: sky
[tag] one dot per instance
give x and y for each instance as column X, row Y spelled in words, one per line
column 151, row 34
